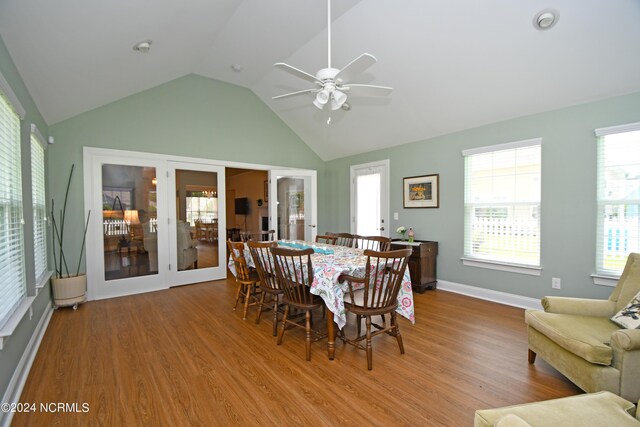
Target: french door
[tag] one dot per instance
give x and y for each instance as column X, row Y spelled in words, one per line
column 127, row 237
column 370, row 199
column 197, row 226
column 293, row 210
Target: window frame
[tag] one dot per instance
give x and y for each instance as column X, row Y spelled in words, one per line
column 493, row 263
column 42, row 276
column 602, row 276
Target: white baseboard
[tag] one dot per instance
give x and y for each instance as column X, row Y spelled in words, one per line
column 490, row 295
column 19, row 378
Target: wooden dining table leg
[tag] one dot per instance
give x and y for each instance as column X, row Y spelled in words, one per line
column 331, row 335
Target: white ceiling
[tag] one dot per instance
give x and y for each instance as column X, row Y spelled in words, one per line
column 453, row 64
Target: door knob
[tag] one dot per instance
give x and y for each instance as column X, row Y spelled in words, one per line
column 312, row 225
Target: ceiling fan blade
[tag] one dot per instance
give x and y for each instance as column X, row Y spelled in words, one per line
column 366, row 90
column 300, row 92
column 355, row 67
column 296, row 72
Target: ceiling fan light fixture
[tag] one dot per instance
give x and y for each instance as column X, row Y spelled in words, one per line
column 322, row 98
column 338, row 98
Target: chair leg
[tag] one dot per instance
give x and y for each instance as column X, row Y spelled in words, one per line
column 369, row 349
column 359, row 324
column 275, row 315
column 247, row 297
column 240, row 285
column 260, row 304
column 532, row 357
column 396, row 329
column 308, row 330
column 284, row 324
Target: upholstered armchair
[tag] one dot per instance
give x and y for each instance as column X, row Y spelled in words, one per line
column 577, row 337
column 187, row 251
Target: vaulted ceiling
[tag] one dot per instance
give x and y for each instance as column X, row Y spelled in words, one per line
column 453, row 65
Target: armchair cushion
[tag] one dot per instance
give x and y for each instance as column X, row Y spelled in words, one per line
column 586, row 337
column 629, row 316
column 579, row 306
column 594, row 409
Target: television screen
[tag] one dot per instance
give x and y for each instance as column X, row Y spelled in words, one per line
column 242, row 206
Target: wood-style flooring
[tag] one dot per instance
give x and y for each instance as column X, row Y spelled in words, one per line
column 183, row 357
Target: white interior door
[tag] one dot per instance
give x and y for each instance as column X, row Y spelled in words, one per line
column 293, row 210
column 197, row 223
column 126, row 243
column 370, row 199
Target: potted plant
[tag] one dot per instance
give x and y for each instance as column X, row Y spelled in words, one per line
column 69, row 287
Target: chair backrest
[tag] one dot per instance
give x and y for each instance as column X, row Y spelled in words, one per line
column 245, row 236
column 184, row 236
column 629, row 283
column 236, row 249
column 262, row 258
column 343, row 239
column 383, row 279
column 373, row 243
column 329, row 240
column 295, row 273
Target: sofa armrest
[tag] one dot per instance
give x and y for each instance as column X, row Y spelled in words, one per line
column 579, row 306
column 626, row 339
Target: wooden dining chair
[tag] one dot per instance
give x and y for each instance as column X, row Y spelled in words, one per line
column 262, row 258
column 376, row 294
column 295, row 274
column 372, row 243
column 343, row 239
column 329, row 240
column 247, row 279
column 245, row 236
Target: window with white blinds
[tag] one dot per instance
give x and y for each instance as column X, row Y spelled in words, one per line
column 39, row 204
column 502, row 203
column 618, row 228
column 12, row 269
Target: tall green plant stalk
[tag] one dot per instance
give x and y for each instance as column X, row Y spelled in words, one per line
column 58, row 238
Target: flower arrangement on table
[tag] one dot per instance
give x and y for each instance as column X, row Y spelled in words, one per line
column 402, row 231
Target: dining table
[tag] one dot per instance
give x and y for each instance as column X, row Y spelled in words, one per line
column 329, row 263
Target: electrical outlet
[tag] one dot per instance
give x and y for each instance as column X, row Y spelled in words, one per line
column 395, row 216
column 555, row 283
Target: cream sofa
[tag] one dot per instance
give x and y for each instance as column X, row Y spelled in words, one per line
column 602, row 409
column 577, row 337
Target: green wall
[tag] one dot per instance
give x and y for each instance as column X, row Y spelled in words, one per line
column 568, row 195
column 191, row 116
column 16, row 344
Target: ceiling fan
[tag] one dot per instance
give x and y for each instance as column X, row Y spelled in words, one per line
column 332, row 84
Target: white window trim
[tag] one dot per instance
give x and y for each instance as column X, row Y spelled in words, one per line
column 13, row 322
column 500, row 147
column 39, row 136
column 630, row 127
column 602, row 280
column 13, row 99
column 502, row 266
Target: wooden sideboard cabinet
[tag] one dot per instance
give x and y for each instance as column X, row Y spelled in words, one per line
column 422, row 263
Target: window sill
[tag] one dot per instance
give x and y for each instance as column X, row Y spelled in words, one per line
column 25, row 305
column 502, row 266
column 603, row 280
column 13, row 322
column 44, row 280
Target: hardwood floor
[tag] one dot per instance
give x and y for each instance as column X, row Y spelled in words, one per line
column 183, row 357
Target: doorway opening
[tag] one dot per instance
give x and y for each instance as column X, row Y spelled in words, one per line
column 247, row 202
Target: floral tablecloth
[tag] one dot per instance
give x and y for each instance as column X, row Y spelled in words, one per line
column 328, row 267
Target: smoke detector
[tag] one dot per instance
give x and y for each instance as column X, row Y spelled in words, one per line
column 143, row 46
column 545, row 19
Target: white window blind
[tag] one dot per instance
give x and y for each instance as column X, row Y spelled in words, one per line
column 12, row 276
column 39, row 203
column 502, row 203
column 618, row 228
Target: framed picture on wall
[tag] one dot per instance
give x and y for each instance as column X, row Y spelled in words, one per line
column 421, row 191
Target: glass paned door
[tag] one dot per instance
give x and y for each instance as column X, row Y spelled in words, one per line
column 294, row 213
column 198, row 230
column 370, row 199
column 127, row 238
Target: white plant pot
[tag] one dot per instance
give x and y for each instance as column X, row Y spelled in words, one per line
column 69, row 291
